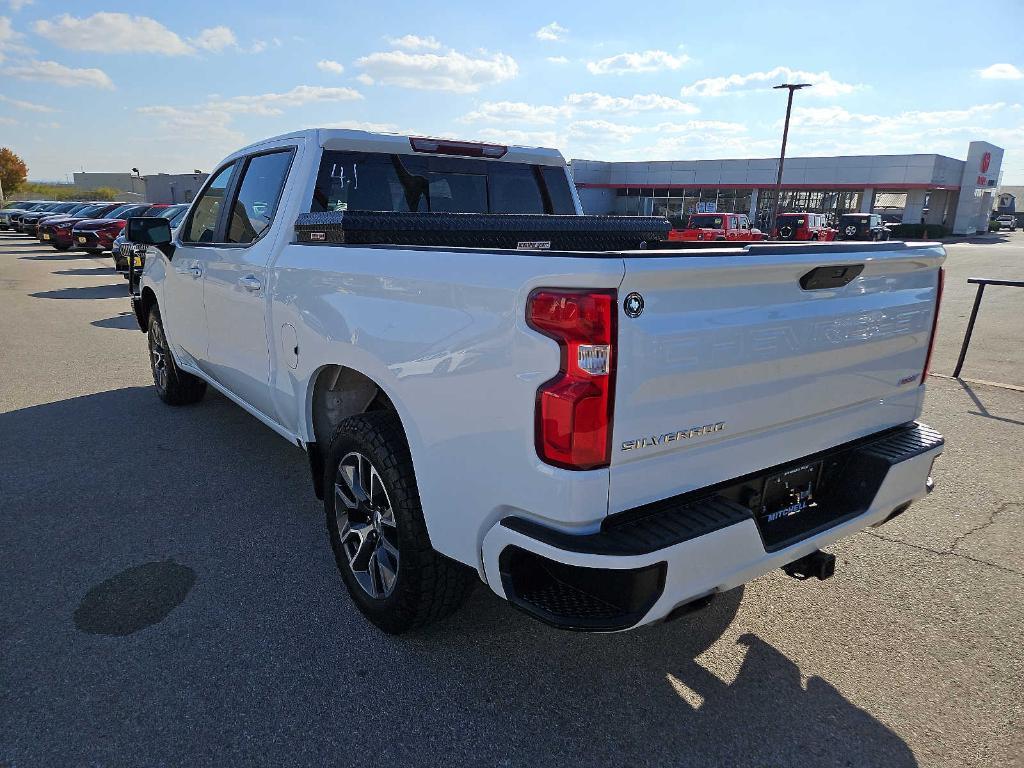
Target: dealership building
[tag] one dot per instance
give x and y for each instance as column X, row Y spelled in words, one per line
column 930, row 189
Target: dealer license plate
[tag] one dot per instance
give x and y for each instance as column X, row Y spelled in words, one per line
column 789, row 505
column 46, row 236
column 81, row 240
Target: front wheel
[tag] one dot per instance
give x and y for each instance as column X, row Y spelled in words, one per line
column 173, row 385
column 376, row 527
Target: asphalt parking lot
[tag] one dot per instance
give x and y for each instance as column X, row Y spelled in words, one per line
column 236, row 643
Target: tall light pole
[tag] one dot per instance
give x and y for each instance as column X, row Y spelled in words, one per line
column 782, row 155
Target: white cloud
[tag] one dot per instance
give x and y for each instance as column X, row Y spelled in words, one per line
column 17, row 5
column 1001, row 72
column 58, row 74
column 112, row 32
column 7, row 121
column 523, row 138
column 557, row 60
column 551, row 32
column 644, row 61
column 708, row 144
column 363, row 125
column 29, row 106
column 215, row 39
column 641, row 102
column 824, row 84
column 258, row 46
column 328, row 65
column 702, row 126
column 604, row 129
column 415, row 43
column 107, row 32
column 516, row 111
column 10, row 41
column 7, row 35
column 200, row 125
column 451, row 71
column 831, row 118
column 270, row 104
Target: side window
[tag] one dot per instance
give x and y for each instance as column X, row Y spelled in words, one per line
column 253, row 209
column 203, row 224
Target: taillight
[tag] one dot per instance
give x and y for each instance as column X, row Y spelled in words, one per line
column 935, row 324
column 574, row 409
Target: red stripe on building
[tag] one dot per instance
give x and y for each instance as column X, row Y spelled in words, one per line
column 812, row 187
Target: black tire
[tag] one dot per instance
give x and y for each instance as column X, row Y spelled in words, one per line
column 173, row 385
column 427, row 586
column 62, row 247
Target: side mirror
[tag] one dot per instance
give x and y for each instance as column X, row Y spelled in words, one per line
column 150, row 230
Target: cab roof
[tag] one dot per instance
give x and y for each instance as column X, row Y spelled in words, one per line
column 401, row 144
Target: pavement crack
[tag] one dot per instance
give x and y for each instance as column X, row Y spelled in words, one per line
column 950, row 552
column 978, row 528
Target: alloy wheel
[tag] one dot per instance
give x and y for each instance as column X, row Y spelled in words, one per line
column 366, row 525
column 158, row 355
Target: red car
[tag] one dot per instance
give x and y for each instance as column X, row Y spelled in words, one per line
column 716, row 226
column 56, row 230
column 803, row 226
column 97, row 235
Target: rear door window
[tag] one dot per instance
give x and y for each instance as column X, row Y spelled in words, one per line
column 253, row 208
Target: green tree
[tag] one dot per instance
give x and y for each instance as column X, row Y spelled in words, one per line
column 104, row 193
column 13, row 171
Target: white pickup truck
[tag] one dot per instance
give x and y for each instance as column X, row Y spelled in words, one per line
column 605, row 429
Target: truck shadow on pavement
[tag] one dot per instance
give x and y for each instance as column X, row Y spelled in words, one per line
column 113, row 291
column 125, row 321
column 86, row 272
column 252, row 653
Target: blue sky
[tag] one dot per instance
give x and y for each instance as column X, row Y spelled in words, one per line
column 173, row 86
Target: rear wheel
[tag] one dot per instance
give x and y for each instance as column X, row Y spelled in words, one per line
column 62, row 247
column 173, row 385
column 375, row 523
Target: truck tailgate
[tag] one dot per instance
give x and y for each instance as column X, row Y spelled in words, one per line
column 733, row 366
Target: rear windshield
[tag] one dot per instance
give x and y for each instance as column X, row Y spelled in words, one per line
column 170, row 212
column 706, row 221
column 90, row 211
column 364, row 181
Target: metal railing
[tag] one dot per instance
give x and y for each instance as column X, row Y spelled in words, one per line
column 981, row 282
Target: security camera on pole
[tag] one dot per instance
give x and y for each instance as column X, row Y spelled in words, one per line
column 776, row 203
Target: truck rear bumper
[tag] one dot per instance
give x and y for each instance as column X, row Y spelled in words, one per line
column 645, row 563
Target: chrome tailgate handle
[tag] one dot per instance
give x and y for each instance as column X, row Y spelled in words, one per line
column 830, row 277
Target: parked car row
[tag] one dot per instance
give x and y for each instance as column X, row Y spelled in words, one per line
column 789, row 226
column 92, row 227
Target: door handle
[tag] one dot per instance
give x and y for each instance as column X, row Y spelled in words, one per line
column 195, row 271
column 250, row 283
